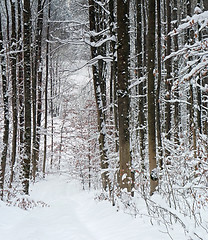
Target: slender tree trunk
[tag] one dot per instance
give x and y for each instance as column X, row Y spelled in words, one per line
column 205, row 94
column 52, row 110
column 159, row 66
column 27, row 95
column 139, row 48
column 113, row 77
column 20, row 82
column 151, row 96
column 37, row 89
column 46, row 88
column 7, row 22
column 13, row 60
column 144, row 15
column 175, row 72
column 112, row 51
column 192, row 124
column 199, row 108
column 6, row 114
column 168, row 76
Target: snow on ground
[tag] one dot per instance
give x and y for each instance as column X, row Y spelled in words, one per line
column 73, row 214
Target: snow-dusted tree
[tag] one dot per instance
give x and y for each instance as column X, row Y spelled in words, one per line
column 151, row 96
column 13, row 60
column 159, row 79
column 140, row 75
column 6, row 112
column 46, row 86
column 37, row 86
column 98, row 52
column 27, row 95
column 168, row 81
column 20, row 79
column 123, row 53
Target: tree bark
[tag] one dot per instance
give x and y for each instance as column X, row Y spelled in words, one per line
column 27, row 95
column 151, row 96
column 13, row 60
column 175, row 72
column 37, row 89
column 159, row 78
column 20, row 81
column 123, row 94
column 168, row 66
column 46, row 88
column 96, row 17
column 113, row 77
column 139, row 48
column 6, row 114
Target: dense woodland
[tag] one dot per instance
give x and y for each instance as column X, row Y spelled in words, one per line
column 139, row 125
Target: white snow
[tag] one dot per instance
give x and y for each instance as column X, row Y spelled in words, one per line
column 73, row 214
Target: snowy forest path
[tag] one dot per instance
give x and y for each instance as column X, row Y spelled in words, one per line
column 64, row 221
column 72, row 214
column 61, row 220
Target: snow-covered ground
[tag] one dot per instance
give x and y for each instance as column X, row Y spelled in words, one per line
column 72, row 214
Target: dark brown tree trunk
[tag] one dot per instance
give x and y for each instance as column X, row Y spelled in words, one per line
column 151, row 96
column 7, row 22
column 140, row 72
column 113, row 77
column 37, row 89
column 192, row 124
column 20, row 81
column 123, row 94
column 144, row 14
column 96, row 17
column 52, row 109
column 13, row 60
column 168, row 81
column 27, row 95
column 6, row 114
column 175, row 72
column 46, row 88
column 159, row 78
column 112, row 52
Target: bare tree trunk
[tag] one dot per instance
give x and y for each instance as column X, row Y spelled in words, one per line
column 6, row 114
column 27, row 95
column 168, row 76
column 159, row 66
column 123, row 94
column 37, row 89
column 96, row 17
column 52, row 111
column 151, row 97
column 144, row 14
column 113, row 77
column 46, row 88
column 13, row 60
column 175, row 72
column 192, row 124
column 141, row 117
column 20, row 81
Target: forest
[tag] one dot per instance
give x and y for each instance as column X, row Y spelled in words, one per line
column 113, row 93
